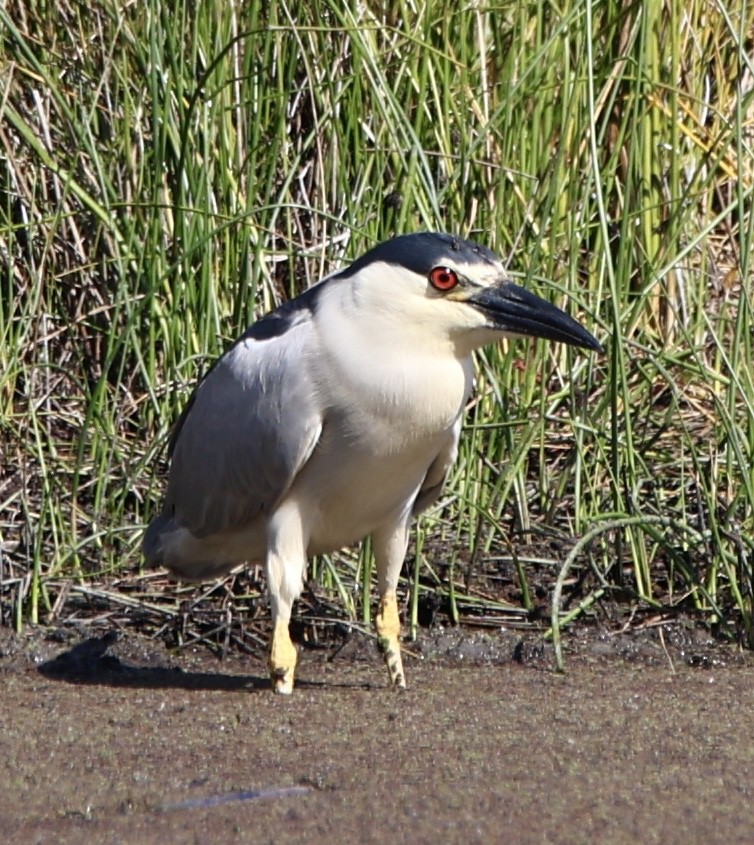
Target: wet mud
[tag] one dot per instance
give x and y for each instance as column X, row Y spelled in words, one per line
column 111, row 738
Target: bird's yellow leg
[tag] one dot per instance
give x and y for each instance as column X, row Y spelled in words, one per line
column 388, row 626
column 282, row 662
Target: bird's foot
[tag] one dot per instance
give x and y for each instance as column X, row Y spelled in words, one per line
column 388, row 625
column 282, row 661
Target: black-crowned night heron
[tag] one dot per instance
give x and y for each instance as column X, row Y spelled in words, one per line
column 337, row 416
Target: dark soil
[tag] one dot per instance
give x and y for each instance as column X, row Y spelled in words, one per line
column 111, row 738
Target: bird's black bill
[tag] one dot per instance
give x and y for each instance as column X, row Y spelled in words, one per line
column 515, row 310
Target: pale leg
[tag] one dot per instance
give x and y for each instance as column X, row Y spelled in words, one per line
column 389, row 551
column 285, row 565
column 283, row 654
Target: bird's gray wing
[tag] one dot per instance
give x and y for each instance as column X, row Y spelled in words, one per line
column 438, row 471
column 250, row 426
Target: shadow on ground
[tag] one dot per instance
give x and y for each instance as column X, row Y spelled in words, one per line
column 91, row 661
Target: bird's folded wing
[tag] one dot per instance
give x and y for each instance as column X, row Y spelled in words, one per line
column 251, row 425
column 434, row 480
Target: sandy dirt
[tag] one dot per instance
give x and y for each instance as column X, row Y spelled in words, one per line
column 114, row 740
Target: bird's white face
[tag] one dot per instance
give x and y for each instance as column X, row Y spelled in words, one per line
column 466, row 304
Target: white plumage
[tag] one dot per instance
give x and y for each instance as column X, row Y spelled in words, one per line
column 335, row 417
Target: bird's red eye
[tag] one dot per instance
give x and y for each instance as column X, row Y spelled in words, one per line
column 443, row 278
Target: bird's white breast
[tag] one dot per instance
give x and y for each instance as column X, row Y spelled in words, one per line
column 391, row 403
column 383, row 368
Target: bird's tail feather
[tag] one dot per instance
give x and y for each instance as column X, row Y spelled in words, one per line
column 187, row 557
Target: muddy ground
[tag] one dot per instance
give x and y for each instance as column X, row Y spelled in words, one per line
column 112, row 739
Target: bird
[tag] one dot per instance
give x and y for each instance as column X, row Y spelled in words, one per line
column 336, row 417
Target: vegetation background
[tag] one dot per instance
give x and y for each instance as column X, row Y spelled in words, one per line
column 170, row 170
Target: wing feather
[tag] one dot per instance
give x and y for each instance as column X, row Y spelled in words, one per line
column 437, row 473
column 250, row 426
